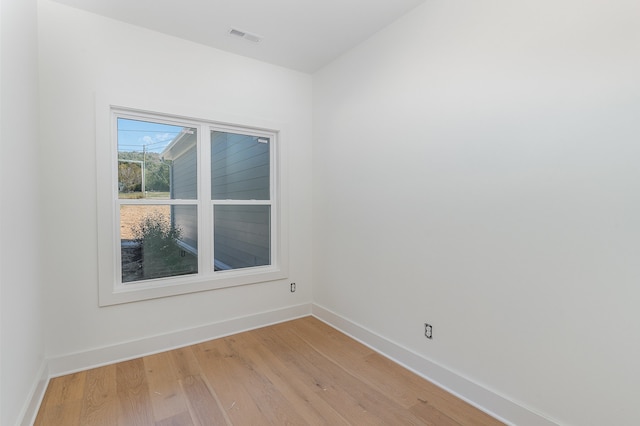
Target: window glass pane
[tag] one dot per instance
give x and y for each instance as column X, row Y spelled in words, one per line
column 239, row 166
column 156, row 160
column 242, row 237
column 158, row 241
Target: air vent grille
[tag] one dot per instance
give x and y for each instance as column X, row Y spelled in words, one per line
column 245, row 35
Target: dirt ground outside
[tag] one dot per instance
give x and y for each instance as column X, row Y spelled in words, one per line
column 131, row 216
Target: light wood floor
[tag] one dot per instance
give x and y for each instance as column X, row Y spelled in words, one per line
column 301, row 372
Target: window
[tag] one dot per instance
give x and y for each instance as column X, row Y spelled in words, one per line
column 195, row 205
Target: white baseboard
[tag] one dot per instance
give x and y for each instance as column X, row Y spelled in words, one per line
column 72, row 363
column 30, row 409
column 491, row 403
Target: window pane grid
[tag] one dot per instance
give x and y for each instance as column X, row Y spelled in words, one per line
column 241, row 190
column 187, row 207
column 153, row 244
column 147, row 150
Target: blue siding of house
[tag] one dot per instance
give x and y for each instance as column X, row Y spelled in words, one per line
column 242, row 235
column 239, row 167
column 184, row 186
column 184, row 175
column 186, row 218
column 240, row 170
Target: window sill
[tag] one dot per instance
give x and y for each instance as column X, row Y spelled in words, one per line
column 166, row 287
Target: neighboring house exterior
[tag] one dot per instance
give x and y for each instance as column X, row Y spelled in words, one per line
column 240, row 170
column 183, row 174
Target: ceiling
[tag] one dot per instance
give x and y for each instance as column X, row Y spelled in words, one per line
column 303, row 35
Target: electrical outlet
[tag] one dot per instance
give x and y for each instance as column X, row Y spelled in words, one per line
column 293, row 287
column 428, row 331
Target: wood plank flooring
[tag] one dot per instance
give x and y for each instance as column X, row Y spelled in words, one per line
column 300, row 372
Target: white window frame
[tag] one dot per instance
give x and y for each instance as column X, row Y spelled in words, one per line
column 111, row 289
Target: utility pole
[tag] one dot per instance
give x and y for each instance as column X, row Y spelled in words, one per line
column 144, row 155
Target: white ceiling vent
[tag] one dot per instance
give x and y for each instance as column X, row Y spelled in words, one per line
column 245, row 35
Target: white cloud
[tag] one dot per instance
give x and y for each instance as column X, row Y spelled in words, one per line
column 157, row 138
column 163, row 137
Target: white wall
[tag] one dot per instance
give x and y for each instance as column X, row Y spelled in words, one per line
column 21, row 336
column 82, row 53
column 476, row 167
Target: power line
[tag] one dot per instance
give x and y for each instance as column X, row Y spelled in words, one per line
column 147, row 131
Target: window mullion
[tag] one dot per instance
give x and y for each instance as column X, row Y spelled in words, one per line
column 205, row 214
